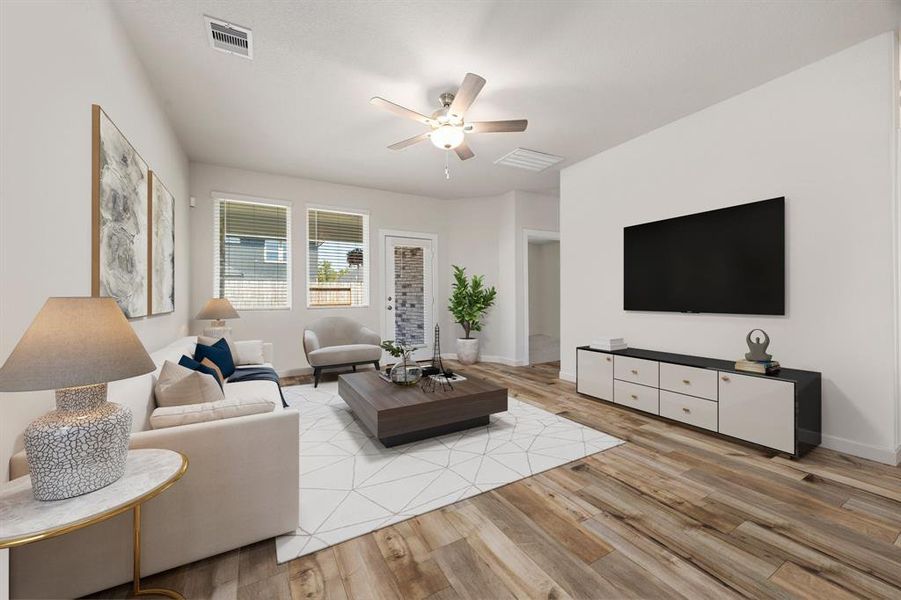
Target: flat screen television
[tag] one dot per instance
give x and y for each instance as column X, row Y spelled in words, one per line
column 730, row 260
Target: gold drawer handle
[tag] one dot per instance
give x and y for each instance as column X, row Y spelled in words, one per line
column 726, row 378
column 634, row 397
column 635, row 371
column 688, row 410
column 686, row 381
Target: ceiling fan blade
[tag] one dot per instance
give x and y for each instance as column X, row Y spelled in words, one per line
column 410, row 141
column 400, row 110
column 464, row 152
column 497, row 126
column 466, row 95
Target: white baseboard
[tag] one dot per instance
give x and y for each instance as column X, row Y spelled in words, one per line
column 295, row 372
column 883, row 455
column 490, row 358
column 567, row 376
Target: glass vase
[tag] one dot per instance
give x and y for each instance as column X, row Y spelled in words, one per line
column 406, row 371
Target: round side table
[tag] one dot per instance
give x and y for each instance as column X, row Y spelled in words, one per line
column 147, row 473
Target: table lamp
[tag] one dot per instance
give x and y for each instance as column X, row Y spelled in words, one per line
column 76, row 346
column 217, row 310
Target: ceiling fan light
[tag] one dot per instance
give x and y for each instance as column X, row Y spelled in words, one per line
column 447, row 137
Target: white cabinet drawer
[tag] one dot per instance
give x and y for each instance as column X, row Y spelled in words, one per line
column 688, row 409
column 594, row 375
column 637, row 396
column 758, row 409
column 688, row 380
column 636, row 370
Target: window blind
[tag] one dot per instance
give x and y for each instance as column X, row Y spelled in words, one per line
column 252, row 254
column 337, row 258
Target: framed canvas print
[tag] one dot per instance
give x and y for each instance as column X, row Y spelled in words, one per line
column 120, row 208
column 162, row 247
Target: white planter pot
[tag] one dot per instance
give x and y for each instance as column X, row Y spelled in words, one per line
column 468, row 350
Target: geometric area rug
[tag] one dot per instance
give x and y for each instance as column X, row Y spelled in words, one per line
column 350, row 484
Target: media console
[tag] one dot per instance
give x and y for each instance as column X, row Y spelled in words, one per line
column 780, row 411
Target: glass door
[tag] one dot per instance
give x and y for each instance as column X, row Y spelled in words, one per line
column 409, row 299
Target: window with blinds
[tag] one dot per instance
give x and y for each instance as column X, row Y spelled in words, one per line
column 253, row 254
column 337, row 258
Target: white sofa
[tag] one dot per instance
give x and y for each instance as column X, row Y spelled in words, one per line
column 242, row 486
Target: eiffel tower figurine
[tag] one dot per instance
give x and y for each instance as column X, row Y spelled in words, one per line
column 429, row 382
column 436, row 353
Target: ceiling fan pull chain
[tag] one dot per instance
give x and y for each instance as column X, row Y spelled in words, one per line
column 446, row 171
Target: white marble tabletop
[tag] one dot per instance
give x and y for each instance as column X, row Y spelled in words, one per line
column 24, row 519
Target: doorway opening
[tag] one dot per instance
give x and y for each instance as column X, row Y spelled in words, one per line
column 542, row 296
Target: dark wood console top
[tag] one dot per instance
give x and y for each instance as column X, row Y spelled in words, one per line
column 794, row 375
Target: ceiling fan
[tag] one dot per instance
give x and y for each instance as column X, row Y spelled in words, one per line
column 447, row 126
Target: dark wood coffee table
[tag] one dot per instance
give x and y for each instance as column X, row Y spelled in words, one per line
column 398, row 414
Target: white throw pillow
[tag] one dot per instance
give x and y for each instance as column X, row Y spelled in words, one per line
column 209, row 341
column 250, row 352
column 179, row 386
column 173, row 416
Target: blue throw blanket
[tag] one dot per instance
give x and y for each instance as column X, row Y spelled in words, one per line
column 258, row 374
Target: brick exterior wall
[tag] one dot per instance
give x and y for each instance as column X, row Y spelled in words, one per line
column 409, row 298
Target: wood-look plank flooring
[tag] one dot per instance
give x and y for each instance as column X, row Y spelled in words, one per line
column 673, row 513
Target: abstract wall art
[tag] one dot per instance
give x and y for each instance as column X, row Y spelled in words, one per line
column 162, row 247
column 120, row 218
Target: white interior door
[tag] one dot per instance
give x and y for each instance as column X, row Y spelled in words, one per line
column 409, row 298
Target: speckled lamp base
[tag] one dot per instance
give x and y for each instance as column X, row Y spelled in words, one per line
column 79, row 447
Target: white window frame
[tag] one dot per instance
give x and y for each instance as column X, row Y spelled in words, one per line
column 289, row 233
column 367, row 255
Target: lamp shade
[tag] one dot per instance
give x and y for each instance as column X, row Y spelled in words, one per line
column 218, row 309
column 75, row 342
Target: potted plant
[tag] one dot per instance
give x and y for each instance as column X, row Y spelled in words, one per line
column 469, row 302
column 406, row 371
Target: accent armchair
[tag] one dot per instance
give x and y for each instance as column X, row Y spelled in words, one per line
column 334, row 342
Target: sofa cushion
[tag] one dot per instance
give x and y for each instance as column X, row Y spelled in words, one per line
column 210, row 341
column 190, row 363
column 250, row 352
column 264, row 390
column 339, row 355
column 219, row 353
column 173, row 416
column 181, row 386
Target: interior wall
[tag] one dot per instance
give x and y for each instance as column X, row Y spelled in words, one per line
column 284, row 328
column 56, row 60
column 544, row 289
column 825, row 138
column 537, row 212
column 480, row 233
column 486, row 236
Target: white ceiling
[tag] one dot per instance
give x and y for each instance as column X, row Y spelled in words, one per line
column 588, row 76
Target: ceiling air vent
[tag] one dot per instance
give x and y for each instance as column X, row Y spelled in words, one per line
column 230, row 38
column 529, row 160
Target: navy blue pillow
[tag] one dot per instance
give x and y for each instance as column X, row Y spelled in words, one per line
column 220, row 354
column 187, row 361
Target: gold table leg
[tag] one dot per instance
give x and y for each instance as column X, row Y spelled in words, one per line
column 136, row 553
